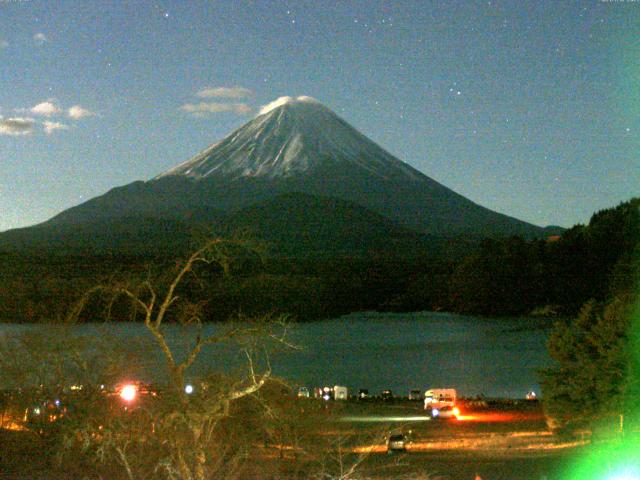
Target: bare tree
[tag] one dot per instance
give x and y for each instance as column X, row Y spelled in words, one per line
column 189, row 429
column 170, row 432
column 227, row 427
column 345, row 456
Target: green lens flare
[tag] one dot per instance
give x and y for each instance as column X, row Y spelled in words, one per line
column 616, row 455
column 615, row 461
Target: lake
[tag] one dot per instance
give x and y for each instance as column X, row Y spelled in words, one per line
column 494, row 357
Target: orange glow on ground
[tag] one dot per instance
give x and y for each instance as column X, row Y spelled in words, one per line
column 466, row 418
column 370, row 449
column 499, row 417
column 14, row 426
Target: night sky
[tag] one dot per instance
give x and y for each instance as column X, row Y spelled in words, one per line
column 528, row 108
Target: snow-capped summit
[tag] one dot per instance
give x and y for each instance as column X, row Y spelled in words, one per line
column 286, row 99
column 292, row 137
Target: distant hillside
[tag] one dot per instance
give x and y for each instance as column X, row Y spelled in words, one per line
column 122, row 235
column 291, row 225
column 511, row 276
column 321, row 265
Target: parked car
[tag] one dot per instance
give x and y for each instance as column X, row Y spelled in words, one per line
column 397, row 443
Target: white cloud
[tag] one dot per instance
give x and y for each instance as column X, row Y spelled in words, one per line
column 282, row 100
column 50, row 127
column 76, row 112
column 40, row 38
column 225, row 92
column 47, row 109
column 203, row 108
column 16, row 126
column 3, row 44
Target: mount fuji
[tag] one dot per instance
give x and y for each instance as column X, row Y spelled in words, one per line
column 295, row 146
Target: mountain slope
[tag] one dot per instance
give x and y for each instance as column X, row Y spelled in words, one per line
column 291, row 225
column 302, row 225
column 133, row 234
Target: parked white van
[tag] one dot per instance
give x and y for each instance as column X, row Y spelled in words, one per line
column 440, row 397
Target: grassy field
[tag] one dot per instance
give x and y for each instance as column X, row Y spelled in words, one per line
column 505, row 440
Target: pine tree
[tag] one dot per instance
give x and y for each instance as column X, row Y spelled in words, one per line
column 588, row 384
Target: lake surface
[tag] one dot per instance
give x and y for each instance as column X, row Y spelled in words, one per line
column 494, row 357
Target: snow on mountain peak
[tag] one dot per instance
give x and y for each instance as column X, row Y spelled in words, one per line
column 285, row 99
column 293, row 136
